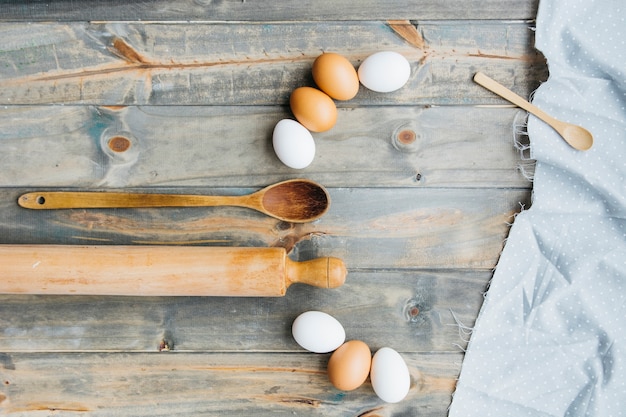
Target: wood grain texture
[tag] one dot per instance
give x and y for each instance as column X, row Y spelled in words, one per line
column 182, row 97
column 366, row 227
column 394, row 146
column 413, row 310
column 142, row 270
column 251, row 64
column 164, row 10
column 183, row 384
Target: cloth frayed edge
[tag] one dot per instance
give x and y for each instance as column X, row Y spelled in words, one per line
column 521, row 142
column 465, row 332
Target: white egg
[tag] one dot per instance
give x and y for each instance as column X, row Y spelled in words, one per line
column 318, row 332
column 293, row 144
column 384, row 71
column 389, row 375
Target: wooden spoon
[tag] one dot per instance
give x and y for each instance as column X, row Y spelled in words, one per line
column 296, row 201
column 577, row 136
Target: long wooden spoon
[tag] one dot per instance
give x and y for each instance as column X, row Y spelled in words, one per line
column 578, row 137
column 295, row 201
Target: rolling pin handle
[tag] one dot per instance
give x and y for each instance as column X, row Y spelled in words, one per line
column 321, row 272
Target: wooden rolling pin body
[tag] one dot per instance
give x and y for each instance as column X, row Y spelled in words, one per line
column 160, row 270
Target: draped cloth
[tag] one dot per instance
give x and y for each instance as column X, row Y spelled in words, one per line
column 550, row 339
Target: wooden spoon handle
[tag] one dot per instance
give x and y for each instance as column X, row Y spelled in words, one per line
column 79, row 199
column 495, row 87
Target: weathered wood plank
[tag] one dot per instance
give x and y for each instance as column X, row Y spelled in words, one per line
column 253, row 64
column 423, row 182
column 179, row 384
column 56, row 146
column 367, row 227
column 33, row 10
column 415, row 311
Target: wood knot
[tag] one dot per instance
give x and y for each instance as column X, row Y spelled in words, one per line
column 407, row 31
column 412, row 311
column 119, row 144
column 120, row 48
column 406, row 136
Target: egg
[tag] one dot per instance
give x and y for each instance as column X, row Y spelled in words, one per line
column 335, row 76
column 389, row 375
column 293, row 144
column 384, row 71
column 349, row 365
column 313, row 108
column 318, row 332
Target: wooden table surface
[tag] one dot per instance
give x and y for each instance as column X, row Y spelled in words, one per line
column 424, row 183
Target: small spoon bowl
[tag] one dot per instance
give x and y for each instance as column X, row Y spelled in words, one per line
column 295, row 201
column 576, row 136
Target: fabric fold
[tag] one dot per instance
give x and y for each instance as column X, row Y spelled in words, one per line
column 550, row 339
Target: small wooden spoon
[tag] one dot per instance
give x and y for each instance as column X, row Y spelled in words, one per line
column 296, row 201
column 577, row 136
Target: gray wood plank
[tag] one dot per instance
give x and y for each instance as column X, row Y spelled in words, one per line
column 423, row 181
column 415, row 311
column 183, row 384
column 254, row 64
column 367, row 227
column 392, row 146
column 33, row 10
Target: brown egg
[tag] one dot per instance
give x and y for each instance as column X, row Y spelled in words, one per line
column 314, row 109
column 349, row 365
column 336, row 76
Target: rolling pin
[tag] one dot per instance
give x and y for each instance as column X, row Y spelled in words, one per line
column 160, row 270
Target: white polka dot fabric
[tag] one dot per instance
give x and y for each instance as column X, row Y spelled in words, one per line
column 551, row 336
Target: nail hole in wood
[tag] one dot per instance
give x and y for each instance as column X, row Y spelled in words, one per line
column 165, row 346
column 412, row 311
column 41, row 200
